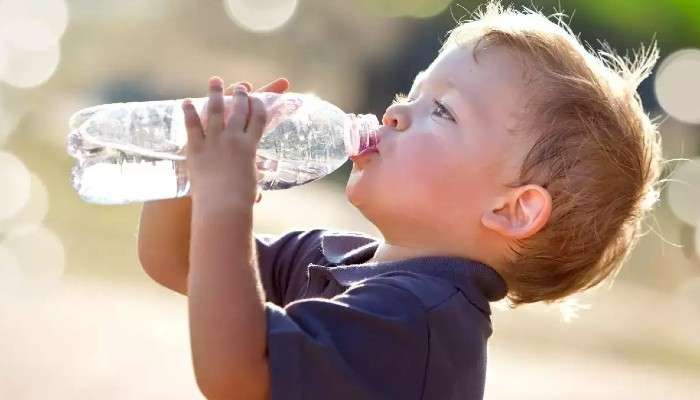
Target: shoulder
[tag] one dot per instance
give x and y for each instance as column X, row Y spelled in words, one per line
column 438, row 297
column 296, row 235
column 369, row 342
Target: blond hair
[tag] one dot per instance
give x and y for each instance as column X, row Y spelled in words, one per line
column 596, row 151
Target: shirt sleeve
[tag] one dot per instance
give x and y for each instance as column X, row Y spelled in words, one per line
column 370, row 342
column 283, row 261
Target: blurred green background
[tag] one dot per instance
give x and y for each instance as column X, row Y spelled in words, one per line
column 79, row 319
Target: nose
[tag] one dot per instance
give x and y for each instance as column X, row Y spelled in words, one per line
column 397, row 117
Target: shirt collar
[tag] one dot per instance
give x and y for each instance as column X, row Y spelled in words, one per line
column 348, row 253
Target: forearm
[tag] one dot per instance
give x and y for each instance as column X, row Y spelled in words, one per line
column 225, row 298
column 164, row 241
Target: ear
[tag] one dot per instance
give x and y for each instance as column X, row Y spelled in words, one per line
column 520, row 214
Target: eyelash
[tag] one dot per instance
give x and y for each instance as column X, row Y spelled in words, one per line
column 401, row 98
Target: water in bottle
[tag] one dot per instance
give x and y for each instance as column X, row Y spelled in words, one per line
column 132, row 152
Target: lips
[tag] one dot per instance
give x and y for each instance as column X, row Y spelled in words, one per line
column 368, row 150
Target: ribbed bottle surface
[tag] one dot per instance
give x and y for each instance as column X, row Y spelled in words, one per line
column 134, row 152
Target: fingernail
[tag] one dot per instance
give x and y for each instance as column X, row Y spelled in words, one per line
column 240, row 88
column 216, row 82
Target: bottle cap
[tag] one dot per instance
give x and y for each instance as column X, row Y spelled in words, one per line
column 360, row 132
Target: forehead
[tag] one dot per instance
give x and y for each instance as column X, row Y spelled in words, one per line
column 501, row 66
column 449, row 65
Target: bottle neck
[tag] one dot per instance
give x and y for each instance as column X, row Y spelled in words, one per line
column 360, row 132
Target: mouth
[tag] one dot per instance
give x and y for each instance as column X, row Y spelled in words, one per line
column 366, row 152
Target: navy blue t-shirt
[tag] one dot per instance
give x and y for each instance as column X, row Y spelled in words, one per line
column 341, row 328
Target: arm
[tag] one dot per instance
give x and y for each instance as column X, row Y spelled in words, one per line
column 164, row 241
column 164, row 229
column 225, row 298
column 227, row 319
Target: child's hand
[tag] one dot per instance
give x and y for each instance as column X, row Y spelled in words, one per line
column 221, row 157
column 279, row 85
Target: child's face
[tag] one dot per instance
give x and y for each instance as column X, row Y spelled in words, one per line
column 446, row 152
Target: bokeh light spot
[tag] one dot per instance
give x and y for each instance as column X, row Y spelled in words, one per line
column 260, row 15
column 677, row 85
column 52, row 13
column 33, row 211
column 684, row 192
column 16, row 182
column 402, row 8
column 28, row 34
column 10, row 273
column 29, row 68
column 40, row 254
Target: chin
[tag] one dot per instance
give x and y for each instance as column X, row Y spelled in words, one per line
column 366, row 189
column 360, row 192
column 354, row 194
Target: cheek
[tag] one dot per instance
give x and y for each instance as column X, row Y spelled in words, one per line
column 420, row 173
column 423, row 162
column 445, row 173
column 426, row 181
column 412, row 162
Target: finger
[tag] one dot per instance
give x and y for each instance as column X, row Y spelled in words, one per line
column 279, row 85
column 239, row 117
column 258, row 118
column 195, row 132
column 230, row 89
column 258, row 196
column 215, row 108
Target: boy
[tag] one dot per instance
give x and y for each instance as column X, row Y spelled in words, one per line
column 520, row 165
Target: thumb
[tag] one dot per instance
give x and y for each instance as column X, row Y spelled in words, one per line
column 279, row 85
column 229, row 90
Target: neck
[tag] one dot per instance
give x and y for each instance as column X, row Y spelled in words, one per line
column 387, row 252
column 390, row 252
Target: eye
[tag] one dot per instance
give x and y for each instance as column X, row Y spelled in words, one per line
column 442, row 111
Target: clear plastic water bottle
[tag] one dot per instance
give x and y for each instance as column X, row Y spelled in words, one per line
column 134, row 152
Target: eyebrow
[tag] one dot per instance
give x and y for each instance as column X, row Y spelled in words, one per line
column 450, row 83
column 420, row 77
